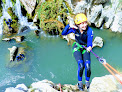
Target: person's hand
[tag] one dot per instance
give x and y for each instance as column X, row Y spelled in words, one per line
column 89, row 48
column 71, row 23
column 73, row 26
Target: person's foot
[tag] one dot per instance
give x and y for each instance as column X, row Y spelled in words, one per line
column 87, row 84
column 80, row 86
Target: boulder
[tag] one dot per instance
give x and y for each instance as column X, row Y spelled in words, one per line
column 18, row 39
column 17, row 55
column 98, row 41
column 12, row 89
column 6, row 39
column 42, row 86
column 13, row 52
column 21, row 87
column 105, row 84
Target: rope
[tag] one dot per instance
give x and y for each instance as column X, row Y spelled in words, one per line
column 107, row 66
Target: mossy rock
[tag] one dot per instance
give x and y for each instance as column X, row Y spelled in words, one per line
column 16, row 63
column 14, row 23
column 48, row 13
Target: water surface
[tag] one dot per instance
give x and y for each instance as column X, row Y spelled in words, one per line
column 49, row 57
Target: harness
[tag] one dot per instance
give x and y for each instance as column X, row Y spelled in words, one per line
column 78, row 48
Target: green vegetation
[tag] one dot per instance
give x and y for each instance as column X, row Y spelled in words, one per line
column 0, row 10
column 14, row 18
column 14, row 23
column 48, row 13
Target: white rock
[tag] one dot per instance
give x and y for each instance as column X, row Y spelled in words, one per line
column 95, row 11
column 21, row 86
column 29, row 5
column 43, row 86
column 12, row 89
column 12, row 52
column 98, row 41
column 80, row 7
column 105, row 84
column 117, row 23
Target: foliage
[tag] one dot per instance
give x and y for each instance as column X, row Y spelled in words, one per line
column 14, row 19
column 14, row 23
column 0, row 10
column 48, row 13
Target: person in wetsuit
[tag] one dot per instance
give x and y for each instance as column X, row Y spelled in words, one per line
column 83, row 36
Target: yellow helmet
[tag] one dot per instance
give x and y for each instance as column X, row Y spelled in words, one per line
column 79, row 18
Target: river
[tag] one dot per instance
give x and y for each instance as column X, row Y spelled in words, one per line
column 49, row 57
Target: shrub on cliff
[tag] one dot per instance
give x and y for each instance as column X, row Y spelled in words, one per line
column 49, row 13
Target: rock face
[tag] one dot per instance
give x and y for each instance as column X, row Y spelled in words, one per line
column 117, row 23
column 106, row 13
column 29, row 5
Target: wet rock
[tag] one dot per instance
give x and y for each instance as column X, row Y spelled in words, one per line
column 13, row 52
column 18, row 39
column 98, row 41
column 17, row 56
column 6, row 39
column 94, row 2
column 37, row 32
column 24, row 28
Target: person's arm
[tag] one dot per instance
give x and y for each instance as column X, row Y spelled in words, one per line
column 68, row 30
column 89, row 39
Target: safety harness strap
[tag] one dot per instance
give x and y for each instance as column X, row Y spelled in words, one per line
column 78, row 48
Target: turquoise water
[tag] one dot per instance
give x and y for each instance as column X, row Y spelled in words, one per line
column 49, row 57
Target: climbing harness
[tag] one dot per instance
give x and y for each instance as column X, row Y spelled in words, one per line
column 107, row 66
column 78, row 48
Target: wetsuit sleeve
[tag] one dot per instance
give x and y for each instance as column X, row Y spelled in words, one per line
column 90, row 37
column 68, row 30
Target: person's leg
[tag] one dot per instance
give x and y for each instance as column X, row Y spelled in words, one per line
column 78, row 58
column 86, row 58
